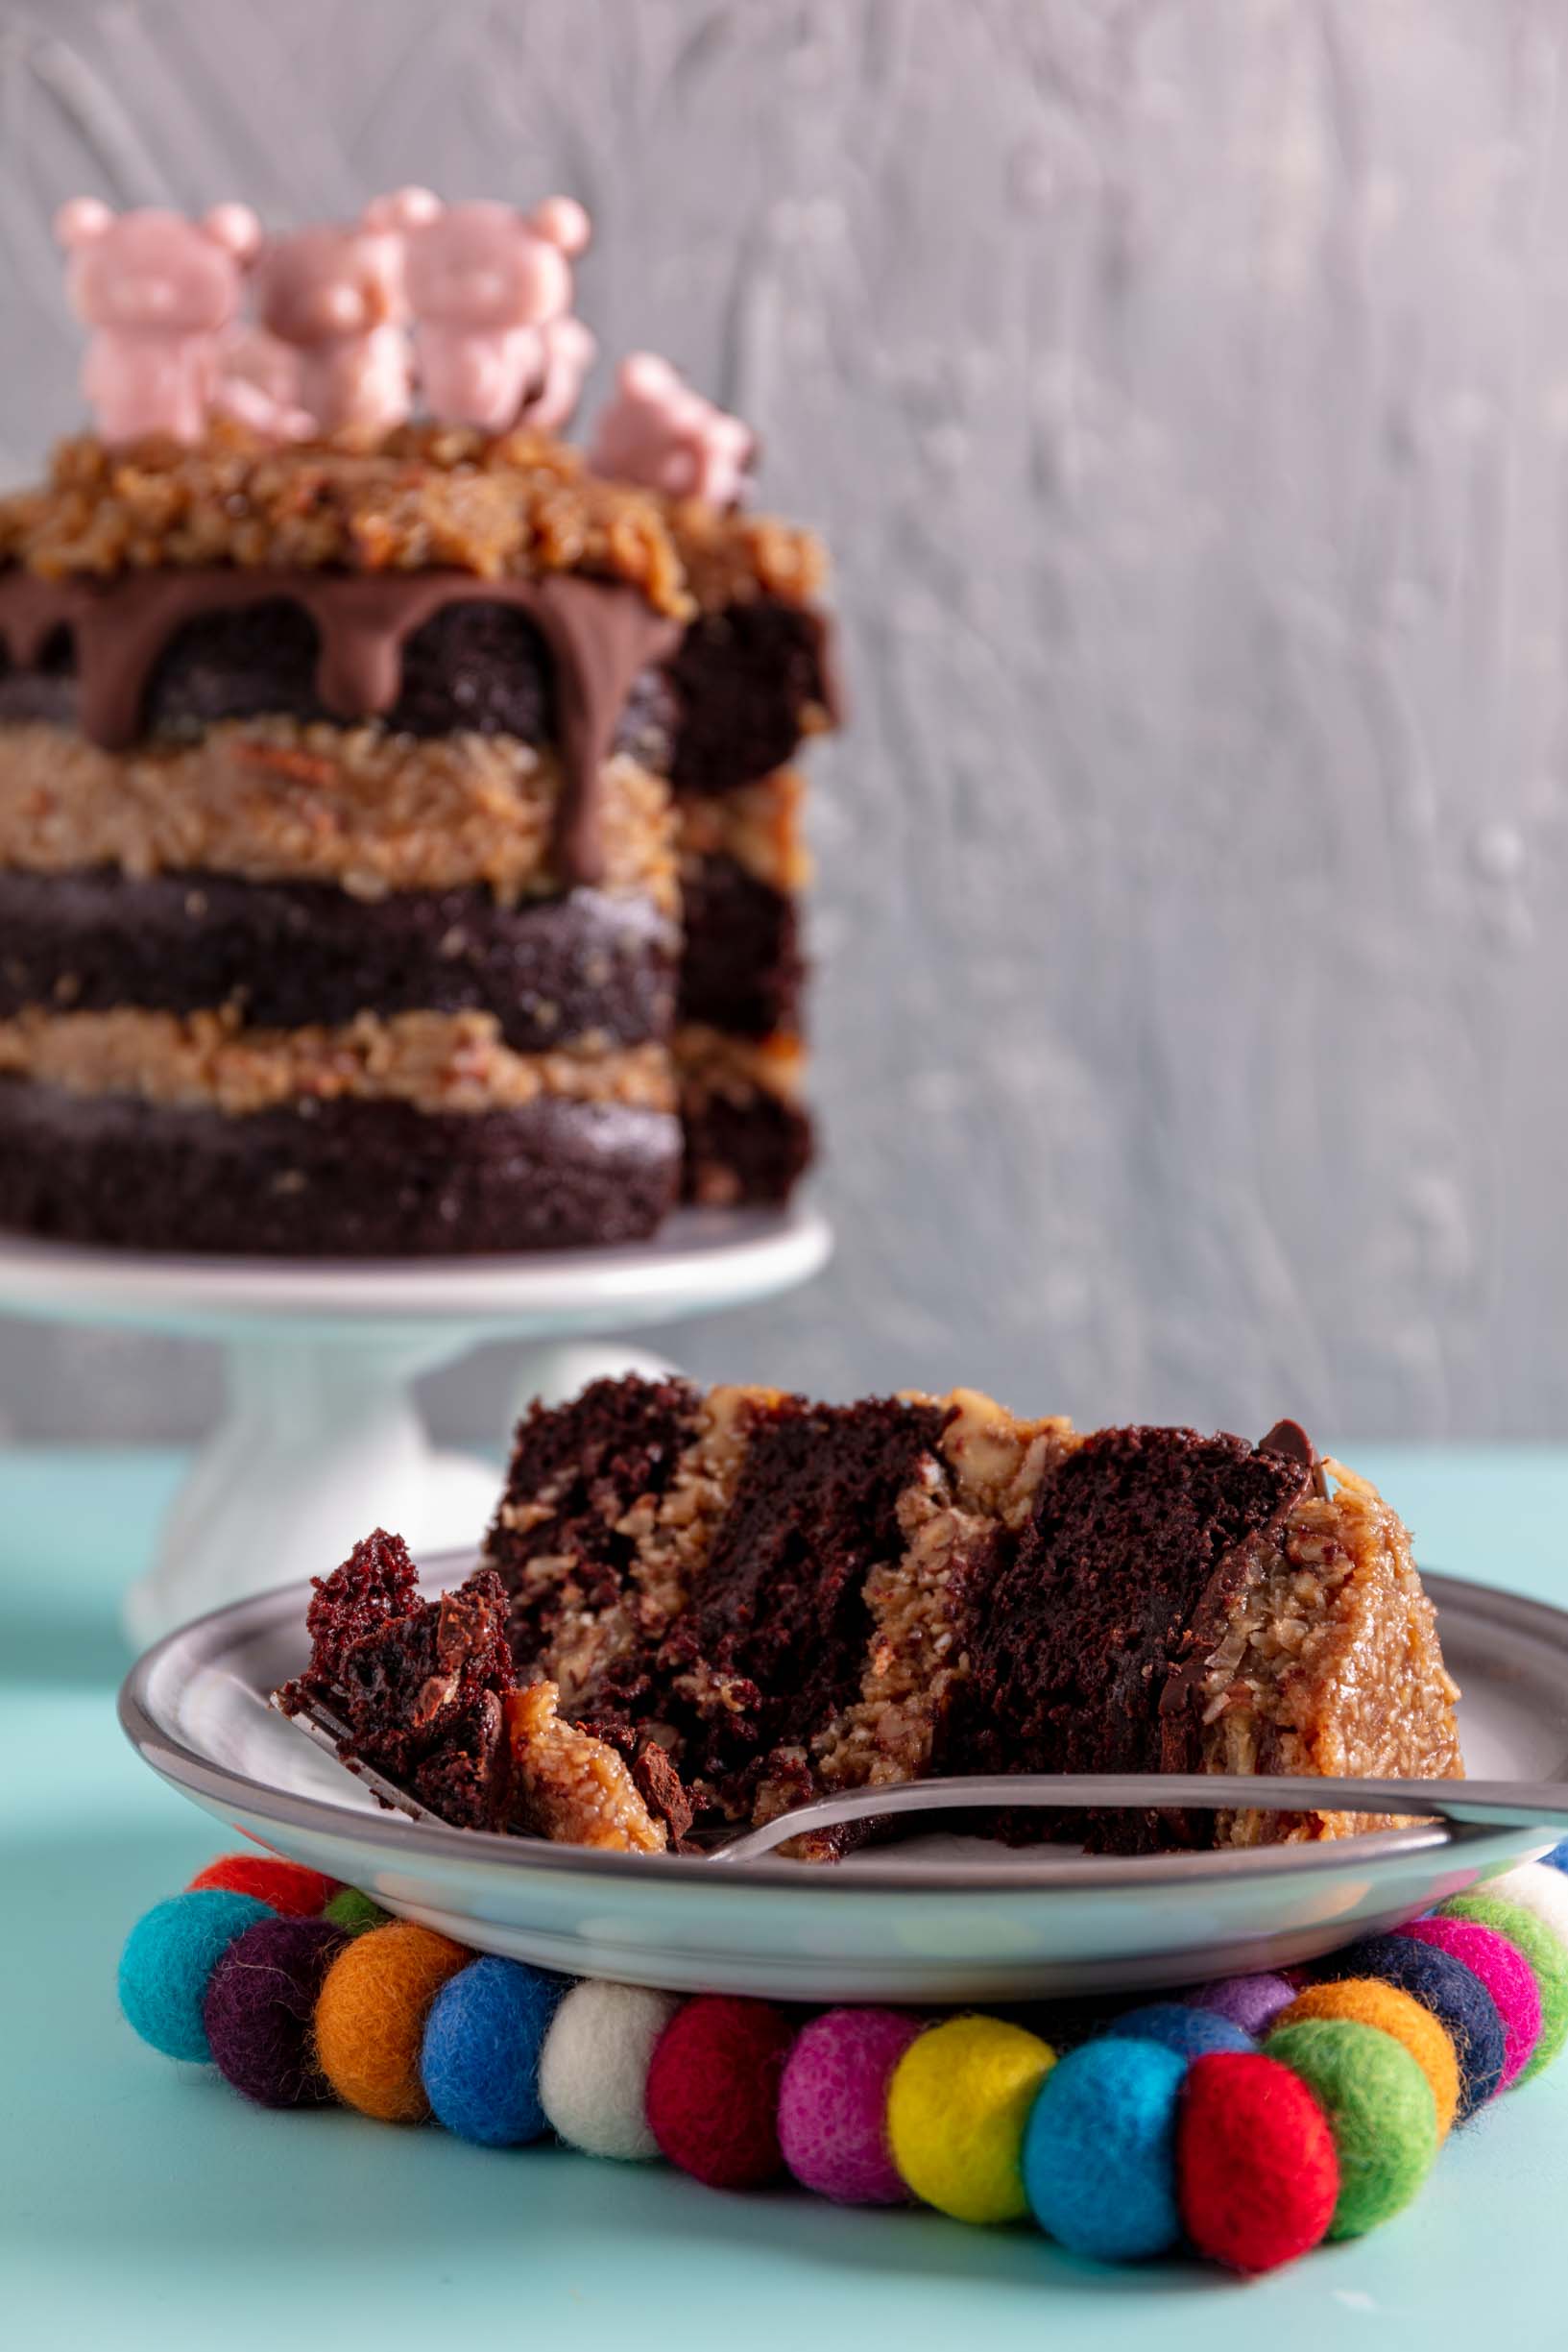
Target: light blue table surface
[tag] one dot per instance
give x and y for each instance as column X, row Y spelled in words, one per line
column 141, row 2204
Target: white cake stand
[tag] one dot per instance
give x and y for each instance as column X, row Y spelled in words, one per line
column 322, row 1439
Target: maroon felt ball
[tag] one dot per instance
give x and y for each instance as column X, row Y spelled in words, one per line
column 288, row 1887
column 259, row 2007
column 713, row 2090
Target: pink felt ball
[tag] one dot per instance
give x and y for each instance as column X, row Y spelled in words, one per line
column 1504, row 1971
column 832, row 2105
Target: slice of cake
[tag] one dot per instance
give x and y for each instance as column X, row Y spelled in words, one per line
column 720, row 1606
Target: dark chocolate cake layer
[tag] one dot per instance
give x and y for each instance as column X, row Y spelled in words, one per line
column 754, row 1151
column 1140, row 1546
column 290, row 953
column 778, row 1622
column 748, row 683
column 348, row 1179
column 742, row 970
column 476, row 666
column 582, row 1466
column 730, row 705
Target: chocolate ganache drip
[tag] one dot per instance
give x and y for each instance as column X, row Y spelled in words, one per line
column 601, row 635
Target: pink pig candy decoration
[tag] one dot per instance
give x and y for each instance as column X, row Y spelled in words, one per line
column 483, row 281
column 158, row 291
column 660, row 433
column 570, row 352
column 335, row 297
column 258, row 385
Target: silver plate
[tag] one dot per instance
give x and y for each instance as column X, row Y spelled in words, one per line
column 938, row 1919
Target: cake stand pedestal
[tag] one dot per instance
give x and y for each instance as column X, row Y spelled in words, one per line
column 322, row 1439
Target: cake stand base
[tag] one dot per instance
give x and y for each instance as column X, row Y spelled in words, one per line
column 322, row 1439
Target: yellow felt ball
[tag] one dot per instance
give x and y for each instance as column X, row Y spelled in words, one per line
column 1364, row 2002
column 956, row 2107
column 371, row 2013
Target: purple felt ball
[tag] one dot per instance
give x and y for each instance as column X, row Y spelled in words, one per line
column 1252, row 2003
column 260, row 2006
column 833, row 2104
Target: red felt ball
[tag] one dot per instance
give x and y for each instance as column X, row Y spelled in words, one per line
column 1256, row 2175
column 288, row 1887
column 712, row 2091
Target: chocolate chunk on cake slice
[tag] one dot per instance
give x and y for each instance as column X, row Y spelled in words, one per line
column 721, row 1605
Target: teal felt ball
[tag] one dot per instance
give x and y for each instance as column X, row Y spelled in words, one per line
column 1100, row 2149
column 479, row 2062
column 168, row 1961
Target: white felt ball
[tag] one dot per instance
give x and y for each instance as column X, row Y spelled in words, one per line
column 1534, row 1888
column 594, row 2066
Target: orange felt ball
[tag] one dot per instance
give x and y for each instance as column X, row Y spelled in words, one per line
column 1365, row 2002
column 288, row 1888
column 370, row 2017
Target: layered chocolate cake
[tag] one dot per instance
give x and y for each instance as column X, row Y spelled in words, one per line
column 698, row 1611
column 400, row 846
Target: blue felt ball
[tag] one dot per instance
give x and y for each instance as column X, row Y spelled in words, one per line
column 1192, row 2033
column 1100, row 2150
column 482, row 2040
column 168, row 1961
column 1558, row 1857
column 1458, row 2000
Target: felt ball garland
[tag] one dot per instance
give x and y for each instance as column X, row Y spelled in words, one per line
column 1169, row 2125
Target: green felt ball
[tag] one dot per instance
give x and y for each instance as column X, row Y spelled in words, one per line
column 354, row 1912
column 1546, row 1957
column 1379, row 2109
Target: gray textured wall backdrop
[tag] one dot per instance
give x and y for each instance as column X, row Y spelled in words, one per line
column 1184, row 387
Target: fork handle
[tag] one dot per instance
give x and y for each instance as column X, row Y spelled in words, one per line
column 1511, row 1804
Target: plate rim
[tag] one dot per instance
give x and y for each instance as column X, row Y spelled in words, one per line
column 187, row 1769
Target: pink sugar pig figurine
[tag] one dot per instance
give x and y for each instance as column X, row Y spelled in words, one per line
column 660, row 433
column 483, row 283
column 570, row 352
column 335, row 297
column 258, row 385
column 158, row 291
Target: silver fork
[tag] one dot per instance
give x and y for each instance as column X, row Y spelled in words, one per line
column 1489, row 1804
